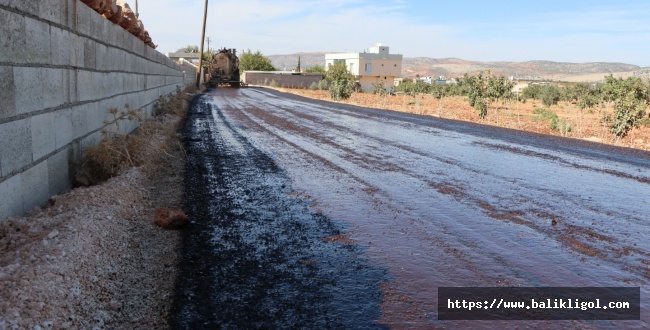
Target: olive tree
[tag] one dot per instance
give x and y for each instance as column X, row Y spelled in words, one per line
column 631, row 98
column 484, row 89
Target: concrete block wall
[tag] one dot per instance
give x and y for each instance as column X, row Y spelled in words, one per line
column 282, row 79
column 62, row 66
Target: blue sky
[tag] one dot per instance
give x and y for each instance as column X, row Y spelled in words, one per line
column 563, row 31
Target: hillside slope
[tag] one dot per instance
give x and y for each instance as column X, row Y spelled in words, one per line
column 453, row 67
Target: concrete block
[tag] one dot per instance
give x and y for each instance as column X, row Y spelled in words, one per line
column 55, row 87
column 83, row 18
column 37, row 42
column 90, row 54
column 43, row 136
column 29, row 7
column 71, row 14
column 97, row 81
column 29, row 83
column 18, row 153
column 77, row 50
column 73, row 90
column 12, row 37
column 35, row 186
column 85, row 88
column 79, row 119
column 102, row 59
column 61, row 43
column 101, row 26
column 96, row 26
column 63, row 127
column 53, row 11
column 116, row 83
column 94, row 116
column 12, row 200
column 58, row 171
column 7, row 92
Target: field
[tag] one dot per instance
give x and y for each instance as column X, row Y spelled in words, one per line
column 529, row 116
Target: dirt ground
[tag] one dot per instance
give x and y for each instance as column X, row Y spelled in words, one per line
column 93, row 259
column 585, row 124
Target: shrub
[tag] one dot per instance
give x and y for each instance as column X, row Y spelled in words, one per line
column 554, row 122
column 631, row 98
column 341, row 82
column 341, row 89
column 380, row 89
column 117, row 151
column 550, row 95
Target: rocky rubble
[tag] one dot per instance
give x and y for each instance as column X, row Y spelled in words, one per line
column 119, row 12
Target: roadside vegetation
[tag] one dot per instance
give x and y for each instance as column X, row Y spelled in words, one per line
column 152, row 140
column 614, row 111
column 249, row 61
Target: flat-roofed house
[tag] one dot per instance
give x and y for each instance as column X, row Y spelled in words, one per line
column 374, row 66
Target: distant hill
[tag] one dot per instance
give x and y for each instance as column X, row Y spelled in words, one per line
column 454, row 67
column 289, row 62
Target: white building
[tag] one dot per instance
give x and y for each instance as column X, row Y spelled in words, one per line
column 371, row 67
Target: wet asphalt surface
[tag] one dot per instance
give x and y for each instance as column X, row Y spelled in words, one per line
column 255, row 256
column 310, row 214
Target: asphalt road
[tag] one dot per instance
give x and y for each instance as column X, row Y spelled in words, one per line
column 322, row 215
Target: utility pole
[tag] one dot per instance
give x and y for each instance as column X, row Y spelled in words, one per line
column 137, row 14
column 205, row 17
column 209, row 53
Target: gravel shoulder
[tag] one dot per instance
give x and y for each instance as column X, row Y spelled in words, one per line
column 93, row 258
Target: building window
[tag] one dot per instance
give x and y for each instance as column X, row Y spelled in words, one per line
column 368, row 67
column 351, row 67
column 339, row 61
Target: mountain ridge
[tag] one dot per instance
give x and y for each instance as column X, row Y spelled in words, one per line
column 456, row 67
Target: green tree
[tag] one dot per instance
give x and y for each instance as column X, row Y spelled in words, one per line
column 413, row 88
column 341, row 81
column 298, row 67
column 550, row 95
column 316, row 69
column 631, row 98
column 532, row 92
column 249, row 61
column 484, row 89
column 586, row 95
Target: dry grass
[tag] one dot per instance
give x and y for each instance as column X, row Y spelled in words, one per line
column 153, row 140
column 585, row 124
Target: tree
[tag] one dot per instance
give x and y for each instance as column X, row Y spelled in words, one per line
column 188, row 49
column 439, row 91
column 316, row 69
column 485, row 89
column 413, row 88
column 631, row 98
column 550, row 95
column 586, row 95
column 249, row 61
column 298, row 67
column 341, row 82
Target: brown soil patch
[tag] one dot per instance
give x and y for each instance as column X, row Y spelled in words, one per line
column 585, row 124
